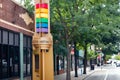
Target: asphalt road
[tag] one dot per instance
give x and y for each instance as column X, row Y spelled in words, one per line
column 108, row 72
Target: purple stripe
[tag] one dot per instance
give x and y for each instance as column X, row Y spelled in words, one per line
column 41, row 29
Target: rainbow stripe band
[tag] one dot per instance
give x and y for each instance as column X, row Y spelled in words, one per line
column 42, row 30
column 41, row 25
column 41, row 10
column 41, row 20
column 43, row 5
column 41, row 17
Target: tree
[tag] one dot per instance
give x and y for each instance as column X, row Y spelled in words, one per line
column 85, row 22
column 63, row 13
column 91, row 55
column 95, row 19
column 29, row 5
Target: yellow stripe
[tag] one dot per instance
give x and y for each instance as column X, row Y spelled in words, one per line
column 41, row 10
column 44, row 10
column 42, row 15
column 37, row 10
column 37, row 15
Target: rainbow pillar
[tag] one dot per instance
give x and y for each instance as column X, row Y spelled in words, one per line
column 42, row 43
column 41, row 17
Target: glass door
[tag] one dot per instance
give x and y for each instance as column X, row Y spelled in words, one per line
column 11, row 53
column 4, row 61
column 13, row 61
column 16, row 61
column 0, row 63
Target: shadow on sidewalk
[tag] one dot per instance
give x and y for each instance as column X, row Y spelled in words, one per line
column 80, row 75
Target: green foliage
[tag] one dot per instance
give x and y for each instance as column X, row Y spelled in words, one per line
column 29, row 6
column 117, row 57
column 91, row 55
column 108, row 57
column 111, row 48
column 59, row 48
column 86, row 22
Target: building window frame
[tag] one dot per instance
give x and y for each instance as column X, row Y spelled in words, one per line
column 27, row 53
column 0, row 36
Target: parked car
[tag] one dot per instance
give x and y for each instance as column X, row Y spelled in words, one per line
column 117, row 63
column 109, row 61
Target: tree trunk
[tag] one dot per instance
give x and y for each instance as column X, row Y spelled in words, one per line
column 76, row 55
column 63, row 62
column 85, row 59
column 72, row 62
column 57, row 65
column 68, row 76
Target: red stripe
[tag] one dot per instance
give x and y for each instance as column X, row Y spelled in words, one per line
column 37, row 6
column 43, row 5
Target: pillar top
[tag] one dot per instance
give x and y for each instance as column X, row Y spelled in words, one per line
column 41, row 1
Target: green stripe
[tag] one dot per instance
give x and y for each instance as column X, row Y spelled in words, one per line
column 41, row 19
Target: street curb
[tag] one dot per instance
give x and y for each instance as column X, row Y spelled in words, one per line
column 88, row 75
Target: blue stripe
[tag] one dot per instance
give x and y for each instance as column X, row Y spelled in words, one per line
column 38, row 25
column 43, row 25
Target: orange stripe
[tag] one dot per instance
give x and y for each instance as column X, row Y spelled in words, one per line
column 41, row 10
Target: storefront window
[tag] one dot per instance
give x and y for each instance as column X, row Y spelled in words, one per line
column 25, row 41
column 5, row 62
column 11, row 38
column 0, row 36
column 16, row 40
column 28, row 61
column 27, row 55
column 24, row 64
column 29, row 42
column 16, row 61
column 61, row 65
column 0, row 61
column 5, row 37
column 10, row 54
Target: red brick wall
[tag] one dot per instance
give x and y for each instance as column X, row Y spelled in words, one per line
column 10, row 12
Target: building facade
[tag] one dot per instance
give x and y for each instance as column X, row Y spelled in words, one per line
column 14, row 20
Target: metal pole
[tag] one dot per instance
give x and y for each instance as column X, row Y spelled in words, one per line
column 21, row 56
column 101, row 61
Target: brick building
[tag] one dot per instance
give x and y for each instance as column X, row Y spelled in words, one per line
column 16, row 30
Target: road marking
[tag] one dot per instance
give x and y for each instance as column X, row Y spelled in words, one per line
column 106, row 75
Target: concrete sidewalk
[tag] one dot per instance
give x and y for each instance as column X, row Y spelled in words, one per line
column 80, row 75
column 63, row 76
